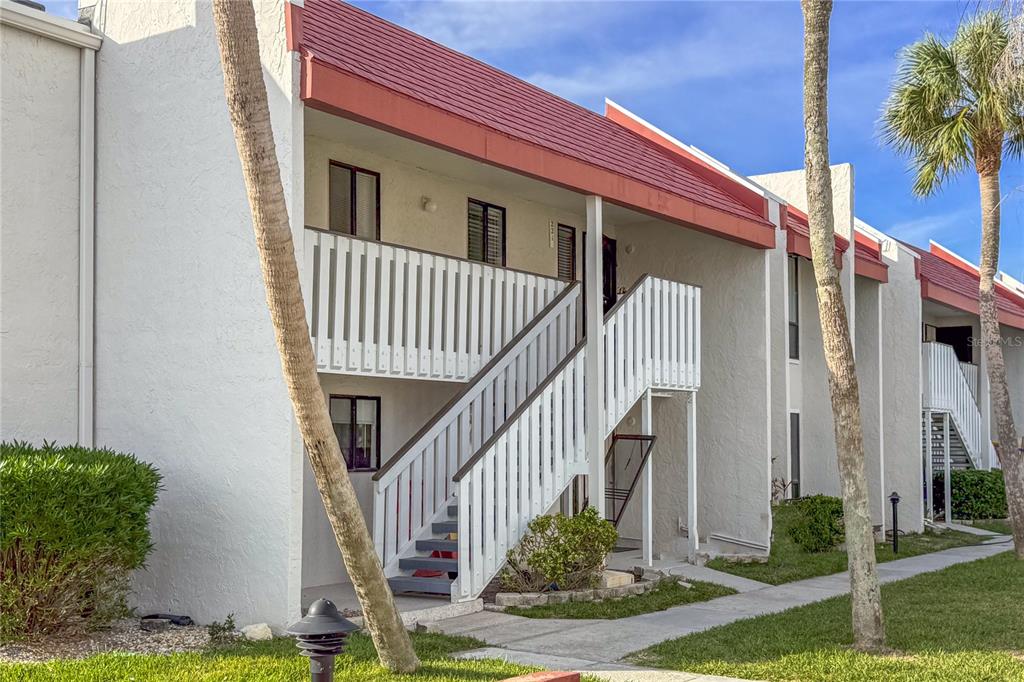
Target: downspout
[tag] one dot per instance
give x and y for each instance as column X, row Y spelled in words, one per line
column 87, row 248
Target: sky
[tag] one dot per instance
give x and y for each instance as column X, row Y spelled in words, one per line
column 727, row 77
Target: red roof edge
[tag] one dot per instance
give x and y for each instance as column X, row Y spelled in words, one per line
column 753, row 200
column 868, row 260
column 798, row 236
column 343, row 94
column 293, row 26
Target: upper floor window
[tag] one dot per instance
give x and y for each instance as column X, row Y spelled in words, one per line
column 794, row 308
column 566, row 253
column 486, row 233
column 354, row 201
column 356, row 422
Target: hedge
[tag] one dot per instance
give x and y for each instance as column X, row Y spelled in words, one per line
column 74, row 523
column 976, row 494
column 818, row 526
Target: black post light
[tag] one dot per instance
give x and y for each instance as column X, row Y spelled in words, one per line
column 895, row 499
column 321, row 635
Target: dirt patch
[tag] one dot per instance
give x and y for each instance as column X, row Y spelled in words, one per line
column 122, row 636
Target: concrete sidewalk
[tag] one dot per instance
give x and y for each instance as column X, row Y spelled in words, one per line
column 598, row 645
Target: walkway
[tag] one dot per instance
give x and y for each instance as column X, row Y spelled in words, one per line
column 599, row 645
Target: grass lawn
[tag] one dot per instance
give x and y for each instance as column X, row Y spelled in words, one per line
column 274, row 661
column 962, row 623
column 788, row 562
column 665, row 596
column 1001, row 526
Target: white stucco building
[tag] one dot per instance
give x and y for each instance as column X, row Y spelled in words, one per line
column 471, row 249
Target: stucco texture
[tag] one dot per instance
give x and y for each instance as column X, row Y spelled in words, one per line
column 403, row 220
column 405, row 406
column 39, row 117
column 733, row 451
column 187, row 372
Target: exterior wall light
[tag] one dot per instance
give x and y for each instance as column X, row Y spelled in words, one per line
column 321, row 636
column 428, row 204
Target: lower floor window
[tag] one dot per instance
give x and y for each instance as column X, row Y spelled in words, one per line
column 356, row 422
column 794, row 454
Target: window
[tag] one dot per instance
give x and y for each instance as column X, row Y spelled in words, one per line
column 566, row 253
column 486, row 233
column 354, row 201
column 794, row 309
column 794, row 454
column 356, row 422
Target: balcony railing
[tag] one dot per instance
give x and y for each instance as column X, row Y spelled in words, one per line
column 386, row 310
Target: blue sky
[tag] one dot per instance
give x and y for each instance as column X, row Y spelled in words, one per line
column 726, row 77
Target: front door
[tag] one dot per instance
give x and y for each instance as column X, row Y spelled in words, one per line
column 610, row 280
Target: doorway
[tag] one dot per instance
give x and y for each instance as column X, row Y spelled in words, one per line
column 610, row 276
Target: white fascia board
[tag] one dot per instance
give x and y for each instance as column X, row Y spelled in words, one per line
column 891, row 247
column 702, row 155
column 48, row 26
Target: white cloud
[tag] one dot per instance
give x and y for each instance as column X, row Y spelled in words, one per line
column 946, row 226
column 500, row 26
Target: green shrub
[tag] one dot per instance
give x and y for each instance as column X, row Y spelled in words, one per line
column 73, row 525
column 976, row 494
column 818, row 525
column 563, row 551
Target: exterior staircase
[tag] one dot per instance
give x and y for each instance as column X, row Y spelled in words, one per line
column 960, row 458
column 951, row 388
column 451, row 503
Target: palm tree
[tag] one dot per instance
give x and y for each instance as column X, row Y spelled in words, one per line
column 955, row 105
column 246, row 95
column 866, row 597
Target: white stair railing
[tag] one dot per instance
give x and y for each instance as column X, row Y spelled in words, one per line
column 414, row 488
column 947, row 389
column 970, row 371
column 651, row 340
column 386, row 310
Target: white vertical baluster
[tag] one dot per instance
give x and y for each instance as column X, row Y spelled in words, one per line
column 385, row 301
column 369, row 359
column 437, row 335
column 423, row 322
column 398, row 342
column 412, row 344
column 342, row 292
column 323, row 303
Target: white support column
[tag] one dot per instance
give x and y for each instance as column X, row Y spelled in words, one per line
column 947, row 478
column 693, row 540
column 594, row 404
column 929, row 476
column 647, row 483
column 881, row 410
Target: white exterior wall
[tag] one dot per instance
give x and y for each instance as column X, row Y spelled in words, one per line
column 1013, row 357
column 870, row 383
column 188, row 376
column 39, row 212
column 781, row 388
column 403, row 220
column 901, row 382
column 405, row 406
column 733, row 449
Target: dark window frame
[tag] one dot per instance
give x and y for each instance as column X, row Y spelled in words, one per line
column 353, row 171
column 485, row 206
column 558, row 232
column 794, row 314
column 374, row 466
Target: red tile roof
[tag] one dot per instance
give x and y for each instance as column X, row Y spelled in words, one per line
column 956, row 286
column 868, row 260
column 354, row 42
column 798, row 236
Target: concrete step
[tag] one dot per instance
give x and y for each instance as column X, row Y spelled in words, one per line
column 429, row 563
column 408, row 583
column 445, row 527
column 438, row 545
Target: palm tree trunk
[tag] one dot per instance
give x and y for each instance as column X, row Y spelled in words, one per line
column 868, row 628
column 1008, row 449
column 246, row 95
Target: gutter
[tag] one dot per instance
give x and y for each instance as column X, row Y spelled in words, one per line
column 87, row 249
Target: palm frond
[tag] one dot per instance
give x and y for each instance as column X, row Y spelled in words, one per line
column 979, row 45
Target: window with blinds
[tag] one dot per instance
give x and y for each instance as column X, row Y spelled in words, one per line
column 566, row 253
column 354, row 201
column 486, row 233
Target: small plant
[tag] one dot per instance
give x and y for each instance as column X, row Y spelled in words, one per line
column 819, row 523
column 563, row 552
column 74, row 524
column 222, row 633
column 976, row 494
column 780, row 490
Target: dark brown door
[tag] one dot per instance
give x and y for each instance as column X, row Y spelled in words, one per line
column 610, row 280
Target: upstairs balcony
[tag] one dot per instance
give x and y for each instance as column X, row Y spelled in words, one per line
column 379, row 309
